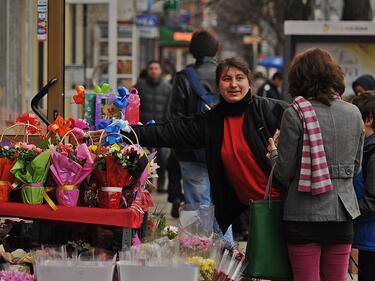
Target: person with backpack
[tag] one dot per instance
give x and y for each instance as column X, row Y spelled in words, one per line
column 193, row 92
column 364, row 184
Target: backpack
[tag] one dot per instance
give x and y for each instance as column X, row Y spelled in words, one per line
column 207, row 100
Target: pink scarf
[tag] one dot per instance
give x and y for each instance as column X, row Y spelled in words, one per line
column 314, row 176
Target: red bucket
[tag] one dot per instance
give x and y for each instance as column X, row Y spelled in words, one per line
column 4, row 191
column 110, row 197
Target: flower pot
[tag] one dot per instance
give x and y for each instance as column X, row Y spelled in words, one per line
column 4, row 191
column 110, row 197
column 67, row 195
column 32, row 193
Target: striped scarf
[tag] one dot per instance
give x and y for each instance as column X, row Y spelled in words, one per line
column 314, row 176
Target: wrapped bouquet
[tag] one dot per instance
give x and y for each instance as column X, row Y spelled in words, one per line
column 31, row 168
column 69, row 168
column 8, row 157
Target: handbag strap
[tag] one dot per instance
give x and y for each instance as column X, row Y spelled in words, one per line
column 267, row 194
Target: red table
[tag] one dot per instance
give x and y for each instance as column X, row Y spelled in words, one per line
column 129, row 219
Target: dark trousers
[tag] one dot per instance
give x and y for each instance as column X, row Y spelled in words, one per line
column 366, row 266
column 162, row 156
column 174, row 179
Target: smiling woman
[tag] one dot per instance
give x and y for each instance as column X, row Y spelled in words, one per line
column 233, row 78
column 234, row 135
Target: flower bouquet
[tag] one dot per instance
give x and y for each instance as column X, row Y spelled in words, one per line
column 31, row 168
column 196, row 229
column 118, row 169
column 230, row 266
column 8, row 157
column 9, row 153
column 69, row 168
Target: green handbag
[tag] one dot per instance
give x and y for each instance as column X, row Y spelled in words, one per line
column 266, row 251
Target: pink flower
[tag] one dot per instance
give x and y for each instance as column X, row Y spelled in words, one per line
column 28, row 146
column 15, row 276
column 81, row 124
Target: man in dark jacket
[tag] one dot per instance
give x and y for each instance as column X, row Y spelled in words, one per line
column 184, row 102
column 154, row 93
column 270, row 89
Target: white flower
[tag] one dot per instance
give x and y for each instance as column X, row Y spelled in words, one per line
column 170, row 229
column 6, row 147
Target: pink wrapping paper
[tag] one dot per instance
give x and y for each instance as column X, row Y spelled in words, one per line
column 65, row 171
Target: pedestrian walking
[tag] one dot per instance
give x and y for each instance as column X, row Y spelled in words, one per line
column 272, row 88
column 364, row 226
column 154, row 93
column 319, row 152
column 185, row 101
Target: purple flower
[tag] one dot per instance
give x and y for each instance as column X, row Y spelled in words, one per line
column 15, row 276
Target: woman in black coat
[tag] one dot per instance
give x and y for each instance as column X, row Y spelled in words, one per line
column 234, row 135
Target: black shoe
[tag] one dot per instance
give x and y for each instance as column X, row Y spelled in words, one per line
column 175, row 209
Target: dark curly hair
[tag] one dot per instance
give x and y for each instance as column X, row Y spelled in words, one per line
column 203, row 44
column 314, row 73
column 235, row 63
column 366, row 104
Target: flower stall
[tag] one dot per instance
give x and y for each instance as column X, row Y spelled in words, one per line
column 85, row 171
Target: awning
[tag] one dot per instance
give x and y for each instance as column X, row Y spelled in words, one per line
column 273, row 61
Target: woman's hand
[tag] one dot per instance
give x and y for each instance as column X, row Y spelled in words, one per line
column 271, row 147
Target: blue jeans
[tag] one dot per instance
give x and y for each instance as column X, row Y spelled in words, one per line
column 197, row 190
column 195, row 183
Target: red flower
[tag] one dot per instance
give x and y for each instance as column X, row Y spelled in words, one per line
column 103, row 150
column 151, row 224
column 29, row 118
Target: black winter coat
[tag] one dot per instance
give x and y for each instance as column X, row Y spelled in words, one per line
column 184, row 101
column 154, row 97
column 262, row 118
column 268, row 90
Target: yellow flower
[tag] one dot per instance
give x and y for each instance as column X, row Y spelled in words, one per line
column 93, row 148
column 116, row 147
column 206, row 267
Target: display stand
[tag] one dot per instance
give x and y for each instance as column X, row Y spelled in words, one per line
column 128, row 219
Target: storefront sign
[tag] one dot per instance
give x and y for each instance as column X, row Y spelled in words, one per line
column 147, row 25
column 42, row 20
column 182, row 36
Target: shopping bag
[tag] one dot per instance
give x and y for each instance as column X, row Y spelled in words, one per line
column 266, row 251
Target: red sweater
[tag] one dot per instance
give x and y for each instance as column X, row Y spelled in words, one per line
column 243, row 172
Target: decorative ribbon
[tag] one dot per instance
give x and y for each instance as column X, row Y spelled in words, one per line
column 29, row 118
column 111, row 189
column 4, row 183
column 103, row 89
column 114, row 128
column 122, row 100
column 16, row 184
column 49, row 200
column 67, row 187
column 34, row 184
column 79, row 98
column 61, row 126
